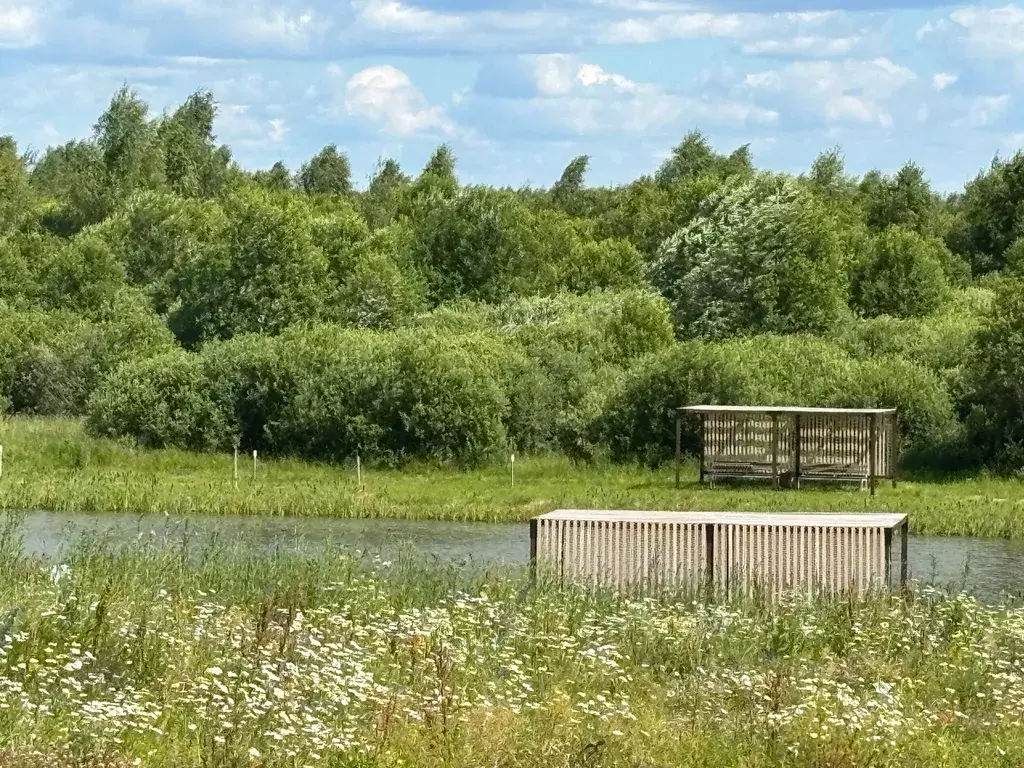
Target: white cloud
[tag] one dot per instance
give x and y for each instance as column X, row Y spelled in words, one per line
column 19, row 25
column 786, row 31
column 943, row 80
column 384, row 94
column 985, row 110
column 804, row 45
column 850, row 90
column 270, row 23
column 585, row 98
column 278, row 129
column 49, row 131
column 237, row 125
column 992, row 32
column 653, row 29
column 393, row 16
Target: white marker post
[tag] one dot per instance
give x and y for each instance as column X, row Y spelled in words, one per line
column 513, row 470
column 234, row 471
column 1, row 461
column 359, row 473
column 254, row 466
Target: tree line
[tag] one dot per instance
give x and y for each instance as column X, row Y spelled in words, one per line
column 155, row 287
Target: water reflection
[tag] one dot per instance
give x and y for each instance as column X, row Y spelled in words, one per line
column 987, row 567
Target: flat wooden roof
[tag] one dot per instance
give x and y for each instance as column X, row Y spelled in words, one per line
column 826, row 520
column 781, row 409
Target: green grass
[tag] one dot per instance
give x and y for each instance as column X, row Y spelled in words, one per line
column 51, row 464
column 171, row 659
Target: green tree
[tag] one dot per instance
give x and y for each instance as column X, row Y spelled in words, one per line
column 694, row 157
column 15, row 195
column 469, row 245
column 904, row 200
column 996, row 420
column 193, row 164
column 382, row 199
column 278, row 178
column 990, row 215
column 566, row 191
column 902, row 276
column 73, row 175
column 265, row 275
column 762, row 256
column 326, row 173
column 378, row 289
column 129, row 145
column 158, row 236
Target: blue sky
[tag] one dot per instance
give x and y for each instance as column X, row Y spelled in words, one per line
column 519, row 88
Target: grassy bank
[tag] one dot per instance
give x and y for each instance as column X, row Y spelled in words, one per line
column 52, row 464
column 147, row 657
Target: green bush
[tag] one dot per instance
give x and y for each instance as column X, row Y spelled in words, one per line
column 51, row 361
column 161, row 401
column 319, row 393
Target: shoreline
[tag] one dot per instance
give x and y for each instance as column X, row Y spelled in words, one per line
column 51, row 464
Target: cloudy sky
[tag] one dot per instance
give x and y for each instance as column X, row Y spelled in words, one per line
column 519, row 87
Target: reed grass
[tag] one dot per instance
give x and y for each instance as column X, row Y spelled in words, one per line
column 165, row 657
column 51, row 464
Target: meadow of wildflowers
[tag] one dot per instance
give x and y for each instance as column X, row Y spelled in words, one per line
column 173, row 657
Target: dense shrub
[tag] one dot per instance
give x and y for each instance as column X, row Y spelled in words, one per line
column 319, row 393
column 51, row 361
column 943, row 342
column 161, row 401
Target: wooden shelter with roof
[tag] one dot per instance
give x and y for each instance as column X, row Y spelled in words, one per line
column 790, row 446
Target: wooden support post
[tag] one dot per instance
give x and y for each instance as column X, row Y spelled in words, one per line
column 894, row 447
column 679, row 445
column 798, row 447
column 904, row 540
column 703, row 447
column 873, row 455
column 534, row 523
column 775, row 450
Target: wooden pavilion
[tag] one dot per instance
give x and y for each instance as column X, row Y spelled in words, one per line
column 793, row 445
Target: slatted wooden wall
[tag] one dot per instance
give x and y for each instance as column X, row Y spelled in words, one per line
column 830, row 445
column 731, row 558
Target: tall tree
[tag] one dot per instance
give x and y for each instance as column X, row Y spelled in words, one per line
column 128, row 144
column 990, row 215
column 14, row 189
column 194, row 165
column 326, row 173
column 441, row 164
column 903, row 200
column 278, row 178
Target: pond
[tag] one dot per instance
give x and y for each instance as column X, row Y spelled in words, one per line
column 986, row 567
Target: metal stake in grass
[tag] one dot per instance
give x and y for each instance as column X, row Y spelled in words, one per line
column 513, row 470
column 359, row 473
column 234, row 471
column 254, row 466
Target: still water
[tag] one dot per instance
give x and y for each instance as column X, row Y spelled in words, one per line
column 987, row 567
